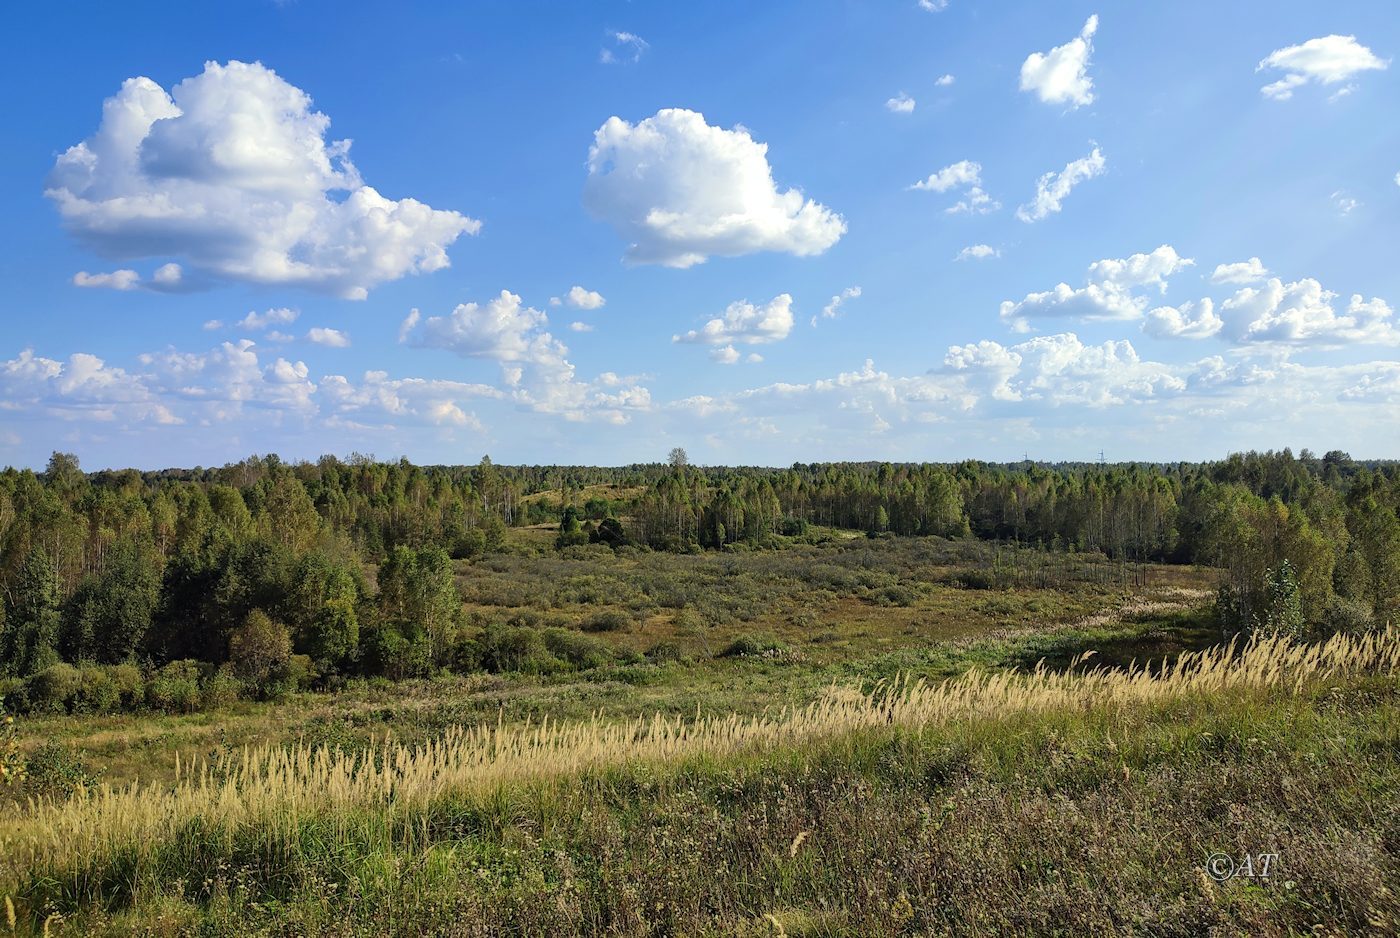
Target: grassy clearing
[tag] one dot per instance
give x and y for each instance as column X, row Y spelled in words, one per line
column 127, row 747
column 850, row 609
column 992, row 803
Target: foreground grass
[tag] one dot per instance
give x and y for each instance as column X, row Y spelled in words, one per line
column 1055, row 802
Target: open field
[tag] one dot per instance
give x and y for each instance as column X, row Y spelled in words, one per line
column 855, row 611
column 994, row 803
column 1000, row 740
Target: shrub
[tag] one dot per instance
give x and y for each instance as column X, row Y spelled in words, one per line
column 14, row 694
column 56, row 772
column 665, row 653
column 464, row 655
column 297, row 673
column 609, row 621
column 220, row 690
column 259, row 649
column 975, row 580
column 386, row 651
column 1348, row 616
column 54, row 688
column 175, row 687
column 517, row 648
column 97, row 692
column 130, row 687
column 578, row 650
column 470, row 543
column 752, row 646
column 893, row 596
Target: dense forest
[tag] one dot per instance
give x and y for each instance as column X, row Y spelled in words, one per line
column 162, row 589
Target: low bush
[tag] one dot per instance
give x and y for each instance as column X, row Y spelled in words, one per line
column 54, row 689
column 665, row 653
column 97, row 692
column 610, row 621
column 580, row 651
column 752, row 646
column 221, row 689
column 1348, row 616
column 974, row 580
column 517, row 648
column 56, row 772
column 175, row 687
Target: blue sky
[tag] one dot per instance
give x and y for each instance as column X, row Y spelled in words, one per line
column 206, row 273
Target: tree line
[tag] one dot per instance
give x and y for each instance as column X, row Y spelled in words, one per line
column 136, row 588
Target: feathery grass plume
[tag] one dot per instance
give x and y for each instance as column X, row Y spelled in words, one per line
column 272, row 793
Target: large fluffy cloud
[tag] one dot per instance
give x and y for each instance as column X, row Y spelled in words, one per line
column 1052, row 188
column 680, row 190
column 228, row 378
column 1062, row 370
column 503, row 329
column 1061, row 75
column 534, row 365
column 227, row 387
column 1190, row 320
column 392, row 401
column 1327, row 60
column 232, row 173
column 1303, row 313
column 1109, row 291
column 82, row 388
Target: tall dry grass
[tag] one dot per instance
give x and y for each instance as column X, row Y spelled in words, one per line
column 273, row 791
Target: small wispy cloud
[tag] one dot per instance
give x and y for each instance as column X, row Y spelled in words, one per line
column 626, row 48
column 900, row 104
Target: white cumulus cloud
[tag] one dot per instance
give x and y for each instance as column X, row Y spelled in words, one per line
column 833, row 308
column 279, row 316
column 965, row 175
column 1052, row 188
column 165, row 279
column 1061, row 75
column 1250, row 271
column 534, row 365
column 116, row 280
column 231, row 172
column 1304, row 313
column 624, row 48
column 1190, row 320
column 579, row 298
column 1108, row 293
column 728, row 355
column 332, row 338
column 900, row 104
column 977, row 252
column 680, row 190
column 1326, row 60
column 746, row 324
